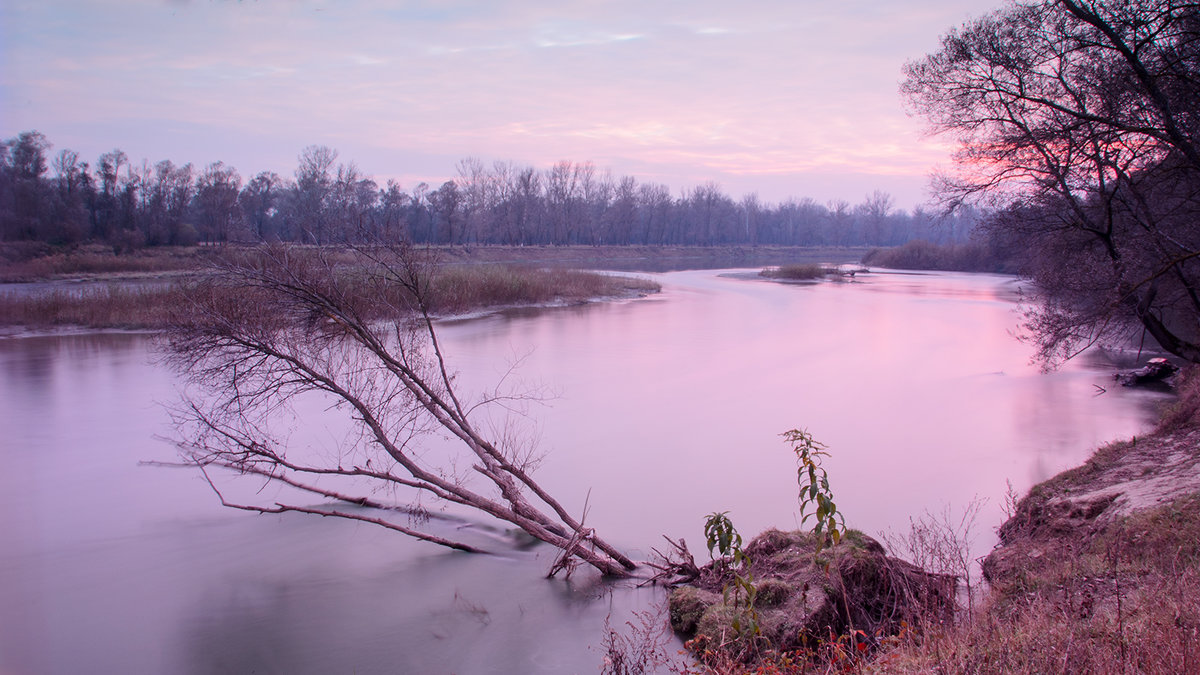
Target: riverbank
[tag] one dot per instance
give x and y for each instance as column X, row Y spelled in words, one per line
column 39, row 263
column 1097, row 570
column 145, row 300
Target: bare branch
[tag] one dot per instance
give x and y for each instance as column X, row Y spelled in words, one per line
column 264, row 332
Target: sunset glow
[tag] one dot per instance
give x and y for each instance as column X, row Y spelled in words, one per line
column 780, row 98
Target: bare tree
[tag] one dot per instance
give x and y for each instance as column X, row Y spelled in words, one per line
column 216, row 202
column 314, row 181
column 1078, row 120
column 264, row 332
column 258, row 201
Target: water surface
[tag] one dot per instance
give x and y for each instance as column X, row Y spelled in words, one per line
column 667, row 409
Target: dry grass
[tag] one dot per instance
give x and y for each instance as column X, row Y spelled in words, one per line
column 1125, row 601
column 1085, row 594
column 799, row 272
column 466, row 288
column 453, row 290
column 32, row 263
column 92, row 306
column 1186, row 410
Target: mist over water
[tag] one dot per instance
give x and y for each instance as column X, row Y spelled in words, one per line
column 665, row 409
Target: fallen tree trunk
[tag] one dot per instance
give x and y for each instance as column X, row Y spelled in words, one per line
column 263, row 331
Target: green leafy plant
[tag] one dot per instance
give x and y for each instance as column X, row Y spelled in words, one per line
column 723, row 537
column 724, row 541
column 815, row 493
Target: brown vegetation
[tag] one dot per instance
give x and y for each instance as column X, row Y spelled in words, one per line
column 799, row 272
column 31, row 261
column 146, row 304
column 107, row 305
column 467, row 288
column 924, row 255
column 1098, row 569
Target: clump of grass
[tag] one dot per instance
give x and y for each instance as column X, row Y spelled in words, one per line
column 1123, row 601
column 456, row 289
column 799, row 272
column 452, row 290
column 28, row 263
column 94, row 306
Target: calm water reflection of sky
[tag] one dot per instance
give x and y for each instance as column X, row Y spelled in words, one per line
column 666, row 409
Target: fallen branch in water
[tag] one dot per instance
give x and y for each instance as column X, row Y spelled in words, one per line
column 264, row 332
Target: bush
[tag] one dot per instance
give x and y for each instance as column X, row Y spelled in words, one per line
column 1186, row 410
column 803, row 272
column 924, row 255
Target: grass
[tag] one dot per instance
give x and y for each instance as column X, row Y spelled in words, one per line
column 798, row 272
column 34, row 261
column 1124, row 601
column 459, row 289
column 454, row 290
column 924, row 255
column 108, row 305
column 1104, row 596
column 23, row 262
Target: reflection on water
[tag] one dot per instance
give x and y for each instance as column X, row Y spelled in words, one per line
column 669, row 408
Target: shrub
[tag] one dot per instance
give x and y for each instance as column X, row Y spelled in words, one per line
column 1186, row 410
column 924, row 255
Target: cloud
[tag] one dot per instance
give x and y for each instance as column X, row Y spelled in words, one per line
column 766, row 88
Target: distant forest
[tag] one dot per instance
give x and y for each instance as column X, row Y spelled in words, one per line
column 61, row 199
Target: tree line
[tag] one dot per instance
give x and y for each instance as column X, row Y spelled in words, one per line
column 61, row 199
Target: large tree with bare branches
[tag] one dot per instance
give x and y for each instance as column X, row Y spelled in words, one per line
column 263, row 332
column 1080, row 123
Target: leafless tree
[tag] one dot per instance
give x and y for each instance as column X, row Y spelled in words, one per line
column 265, row 331
column 314, row 181
column 216, row 201
column 1080, row 122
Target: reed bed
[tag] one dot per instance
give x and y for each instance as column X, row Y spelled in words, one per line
column 799, row 272
column 34, row 263
column 467, row 288
column 452, row 290
column 109, row 305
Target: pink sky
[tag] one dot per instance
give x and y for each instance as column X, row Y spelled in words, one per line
column 783, row 98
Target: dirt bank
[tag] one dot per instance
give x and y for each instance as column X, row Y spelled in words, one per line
column 1098, row 569
column 1120, row 484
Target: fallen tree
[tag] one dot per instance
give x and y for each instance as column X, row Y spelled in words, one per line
column 267, row 329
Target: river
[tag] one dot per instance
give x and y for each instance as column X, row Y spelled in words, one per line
column 666, row 409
